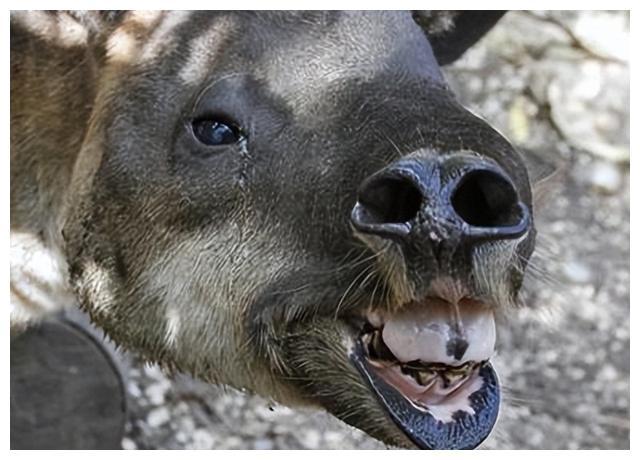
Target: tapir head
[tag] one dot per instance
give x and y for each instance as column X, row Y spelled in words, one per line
column 296, row 204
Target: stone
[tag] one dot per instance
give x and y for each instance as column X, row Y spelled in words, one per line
column 263, row 444
column 202, row 439
column 156, row 392
column 605, row 177
column 577, row 272
column 128, row 444
column 158, row 417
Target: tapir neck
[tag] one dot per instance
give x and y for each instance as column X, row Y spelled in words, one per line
column 53, row 71
column 52, row 89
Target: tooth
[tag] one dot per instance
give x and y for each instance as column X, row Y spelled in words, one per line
column 425, row 377
column 423, row 332
column 452, row 379
column 375, row 319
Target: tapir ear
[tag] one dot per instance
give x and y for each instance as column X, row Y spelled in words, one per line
column 451, row 33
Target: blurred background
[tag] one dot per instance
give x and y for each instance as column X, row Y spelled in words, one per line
column 557, row 85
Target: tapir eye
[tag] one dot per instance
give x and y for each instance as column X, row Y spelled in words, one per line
column 216, row 132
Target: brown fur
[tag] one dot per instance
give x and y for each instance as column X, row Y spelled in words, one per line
column 190, row 264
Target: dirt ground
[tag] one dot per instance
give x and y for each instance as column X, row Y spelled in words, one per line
column 557, row 85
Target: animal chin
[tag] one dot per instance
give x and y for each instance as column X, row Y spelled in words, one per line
column 428, row 366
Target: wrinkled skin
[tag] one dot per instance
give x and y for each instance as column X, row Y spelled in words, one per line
column 239, row 263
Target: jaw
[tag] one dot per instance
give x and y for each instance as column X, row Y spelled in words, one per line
column 317, row 356
column 333, row 364
column 462, row 421
column 327, row 360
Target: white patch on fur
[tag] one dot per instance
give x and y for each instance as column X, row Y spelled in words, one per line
column 71, row 32
column 206, row 283
column 39, row 284
column 173, row 326
column 39, row 23
column 98, row 282
column 144, row 18
column 202, row 52
column 449, row 288
column 160, row 38
column 60, row 29
column 491, row 263
column 136, row 39
column 122, row 47
column 392, row 267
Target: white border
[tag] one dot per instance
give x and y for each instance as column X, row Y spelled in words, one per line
column 327, row 4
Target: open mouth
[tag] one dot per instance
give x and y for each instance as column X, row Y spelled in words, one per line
column 429, row 367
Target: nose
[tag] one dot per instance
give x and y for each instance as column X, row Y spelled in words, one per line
column 459, row 198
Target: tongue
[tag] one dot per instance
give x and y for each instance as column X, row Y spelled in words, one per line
column 438, row 332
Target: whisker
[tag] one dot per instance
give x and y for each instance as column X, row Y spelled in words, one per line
column 349, row 266
column 370, row 268
column 374, row 292
column 346, row 292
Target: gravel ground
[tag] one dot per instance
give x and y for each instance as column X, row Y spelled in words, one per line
column 556, row 84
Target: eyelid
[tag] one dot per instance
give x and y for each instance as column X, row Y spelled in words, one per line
column 215, row 116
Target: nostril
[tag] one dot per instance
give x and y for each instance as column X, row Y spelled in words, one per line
column 485, row 198
column 390, row 200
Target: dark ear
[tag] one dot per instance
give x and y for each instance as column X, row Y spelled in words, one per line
column 451, row 33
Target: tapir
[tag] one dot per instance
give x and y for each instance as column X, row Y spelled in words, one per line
column 293, row 204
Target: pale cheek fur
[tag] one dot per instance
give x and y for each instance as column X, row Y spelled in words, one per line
column 205, row 286
column 61, row 30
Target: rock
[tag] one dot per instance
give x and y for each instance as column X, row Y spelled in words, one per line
column 233, row 442
column 128, row 444
column 154, row 372
column 592, row 87
column 263, row 444
column 133, row 389
column 156, row 392
column 181, row 437
column 202, row 439
column 608, row 373
column 67, row 391
column 186, row 424
column 311, row 440
column 519, row 119
column 604, row 34
column 605, row 177
column 158, row 417
column 577, row 272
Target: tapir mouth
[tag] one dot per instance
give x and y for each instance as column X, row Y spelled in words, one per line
column 428, row 366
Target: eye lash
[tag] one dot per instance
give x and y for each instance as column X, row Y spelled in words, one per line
column 218, row 116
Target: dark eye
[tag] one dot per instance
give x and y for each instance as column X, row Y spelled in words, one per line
column 216, row 132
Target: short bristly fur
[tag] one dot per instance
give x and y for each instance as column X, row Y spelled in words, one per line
column 238, row 265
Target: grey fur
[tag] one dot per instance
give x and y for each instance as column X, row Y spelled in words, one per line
column 237, row 265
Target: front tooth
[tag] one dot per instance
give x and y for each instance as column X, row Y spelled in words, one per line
column 375, row 319
column 453, row 378
column 423, row 331
column 425, row 377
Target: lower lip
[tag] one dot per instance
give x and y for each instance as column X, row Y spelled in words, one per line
column 421, row 425
column 434, row 394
